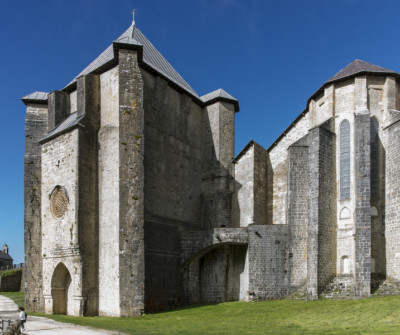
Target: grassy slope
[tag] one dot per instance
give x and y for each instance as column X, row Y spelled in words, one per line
column 379, row 315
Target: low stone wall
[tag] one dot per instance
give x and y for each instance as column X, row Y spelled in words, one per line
column 11, row 283
column 13, row 329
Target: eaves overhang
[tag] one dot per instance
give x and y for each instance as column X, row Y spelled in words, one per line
column 36, row 97
column 234, row 102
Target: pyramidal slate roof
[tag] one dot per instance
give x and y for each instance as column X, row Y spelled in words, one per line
column 219, row 94
column 151, row 57
column 35, row 96
column 357, row 67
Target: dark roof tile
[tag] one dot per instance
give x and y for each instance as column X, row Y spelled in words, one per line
column 5, row 256
column 358, row 66
column 151, row 57
column 35, row 96
column 70, row 122
column 219, row 94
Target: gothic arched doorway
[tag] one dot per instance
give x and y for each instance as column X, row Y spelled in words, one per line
column 60, row 285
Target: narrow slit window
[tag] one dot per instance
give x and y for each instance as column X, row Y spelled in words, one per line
column 345, row 160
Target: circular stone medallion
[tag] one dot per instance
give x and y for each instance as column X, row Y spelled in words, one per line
column 58, row 202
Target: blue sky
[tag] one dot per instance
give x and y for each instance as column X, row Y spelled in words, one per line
column 270, row 55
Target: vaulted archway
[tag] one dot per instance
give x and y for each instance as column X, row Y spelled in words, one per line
column 217, row 273
column 60, row 289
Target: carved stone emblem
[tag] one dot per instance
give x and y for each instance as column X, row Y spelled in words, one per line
column 58, row 202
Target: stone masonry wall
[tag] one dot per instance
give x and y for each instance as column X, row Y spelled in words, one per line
column 11, row 283
column 377, row 104
column 108, row 170
column 73, row 96
column 243, row 198
column 297, row 212
column 344, row 96
column 213, row 275
column 250, row 199
column 268, row 261
column 363, row 205
column 260, row 185
column 35, row 129
column 327, row 207
column 172, row 186
column 378, row 242
column 321, row 257
column 131, row 185
column 59, row 108
column 172, row 182
column 220, row 273
column 60, row 234
column 392, row 220
column 88, row 104
column 206, row 254
column 196, row 244
column 173, row 158
column 218, row 135
column 279, row 164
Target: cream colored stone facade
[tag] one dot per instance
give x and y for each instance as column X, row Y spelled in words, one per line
column 134, row 202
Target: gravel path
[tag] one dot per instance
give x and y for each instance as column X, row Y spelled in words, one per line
column 42, row 326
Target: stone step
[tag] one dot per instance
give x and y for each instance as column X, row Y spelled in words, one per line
column 339, row 288
column 381, row 286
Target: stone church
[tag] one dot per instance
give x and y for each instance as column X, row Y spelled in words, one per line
column 135, row 202
column 5, row 258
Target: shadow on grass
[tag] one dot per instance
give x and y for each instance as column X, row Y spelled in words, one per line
column 182, row 308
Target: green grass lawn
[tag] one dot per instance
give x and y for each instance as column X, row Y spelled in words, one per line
column 378, row 315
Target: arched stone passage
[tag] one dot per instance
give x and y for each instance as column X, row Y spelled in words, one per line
column 60, row 289
column 221, row 274
column 217, row 274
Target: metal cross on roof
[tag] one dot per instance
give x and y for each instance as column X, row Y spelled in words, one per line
column 133, row 16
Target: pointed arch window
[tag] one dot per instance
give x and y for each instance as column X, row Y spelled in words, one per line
column 345, row 160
